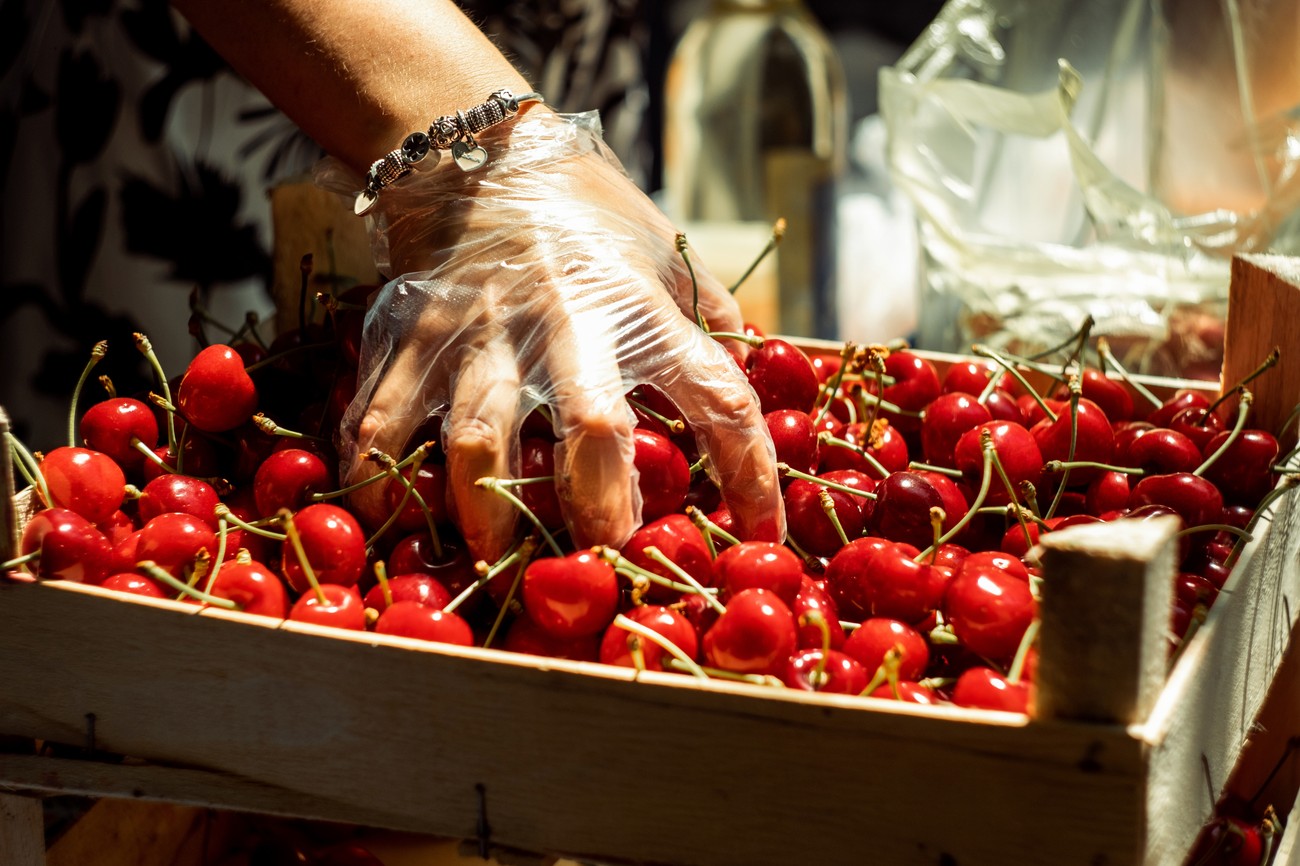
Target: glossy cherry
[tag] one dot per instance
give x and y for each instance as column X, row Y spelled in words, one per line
column 524, row 636
column 571, row 597
column 178, row 493
column 430, row 481
column 134, row 584
column 254, row 587
column 663, row 474
column 755, row 636
column 840, row 674
column 70, row 546
column 782, row 377
column 1160, row 450
column 341, row 608
column 902, row 509
column 813, row 600
column 334, row 543
column 422, row 588
column 1094, row 440
column 216, row 394
column 808, row 523
column 1017, row 450
column 878, row 635
column 681, row 542
column 414, row 620
column 173, row 542
column 846, row 577
column 111, row 426
column 986, row 689
column 989, row 611
column 759, row 565
column 1196, row 500
column 794, row 437
column 286, row 479
column 85, row 481
column 616, row 645
column 1244, row 472
column 945, row 421
column 537, row 460
column 881, row 440
column 916, row 385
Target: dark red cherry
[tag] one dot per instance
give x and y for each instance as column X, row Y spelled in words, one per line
column 1244, row 472
column 1159, row 451
column 431, row 483
column 1107, row 394
column 902, row 509
column 945, row 421
column 524, row 636
column 664, row 475
column 198, row 455
column 1196, row 500
column 616, row 646
column 174, row 540
column 537, row 460
column 810, row 526
column 286, row 479
column 782, row 377
column 878, row 635
column 414, row 620
column 1182, row 399
column 1107, row 493
column 1197, row 424
column 111, row 426
column 334, row 544
column 179, row 493
column 812, row 600
column 839, row 675
column 85, row 481
column 794, row 438
column 422, row 588
column 916, row 385
column 71, row 547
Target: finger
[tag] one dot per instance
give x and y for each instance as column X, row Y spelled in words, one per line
column 718, row 403
column 403, row 390
column 595, row 473
column 479, row 435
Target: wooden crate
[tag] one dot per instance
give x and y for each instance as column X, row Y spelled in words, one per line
column 1120, row 765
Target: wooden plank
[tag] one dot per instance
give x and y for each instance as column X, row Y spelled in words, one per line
column 22, row 830
column 1264, row 312
column 1209, row 707
column 582, row 758
column 1106, row 594
column 9, row 529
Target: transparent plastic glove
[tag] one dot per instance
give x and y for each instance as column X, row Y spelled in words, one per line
column 546, row 278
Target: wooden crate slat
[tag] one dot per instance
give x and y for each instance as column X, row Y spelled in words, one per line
column 1264, row 300
column 563, row 755
column 22, row 830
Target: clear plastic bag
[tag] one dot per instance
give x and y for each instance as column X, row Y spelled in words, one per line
column 1105, row 157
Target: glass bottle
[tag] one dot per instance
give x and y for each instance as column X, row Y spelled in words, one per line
column 756, row 129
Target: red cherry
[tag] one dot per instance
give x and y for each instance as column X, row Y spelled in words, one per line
column 71, row 547
column 989, row 611
column 808, row 523
column 1012, row 565
column 902, row 509
column 878, row 635
column 970, row 377
column 812, row 598
column 454, row 569
column 133, row 584
column 1196, row 500
column 1182, row 399
column 118, row 526
column 794, row 437
column 880, row 440
column 616, row 646
column 537, row 460
column 1033, row 410
column 1107, row 493
column 846, row 580
column 782, row 377
column 1094, row 441
column 1197, row 424
column 759, row 565
column 945, row 421
column 287, row 478
column 681, row 542
column 525, row 636
column 1243, row 473
column 422, row 588
column 1003, row 407
column 912, row 693
column 252, row 586
column 825, row 366
column 1108, row 394
column 1159, row 451
column 174, row 540
column 756, row 635
column 414, row 620
column 986, row 689
column 1017, row 450
column 178, row 493
column 199, row 459
column 840, row 675
column 899, row 587
column 334, row 543
column 111, row 425
column 664, row 475
column 215, row 393
column 85, row 481
column 916, row 385
column 571, row 597
column 431, row 483
column 342, row 607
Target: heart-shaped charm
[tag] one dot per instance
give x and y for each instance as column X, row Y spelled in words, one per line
column 467, row 157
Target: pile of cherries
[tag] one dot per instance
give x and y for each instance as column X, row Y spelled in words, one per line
column 913, row 502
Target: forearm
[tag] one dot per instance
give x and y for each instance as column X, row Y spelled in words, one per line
column 356, row 75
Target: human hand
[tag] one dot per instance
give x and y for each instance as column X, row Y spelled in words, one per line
column 547, row 278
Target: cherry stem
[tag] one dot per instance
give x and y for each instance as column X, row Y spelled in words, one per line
column 986, row 352
column 522, row 551
column 638, row 630
column 223, row 529
column 417, row 460
column 1076, row 393
column 817, row 677
column 29, row 467
column 223, row 511
column 1243, row 410
column 510, row 597
column 748, row 339
column 930, row 467
column 986, row 477
column 20, row 560
column 828, row 507
column 827, row 438
column 495, row 485
column 874, row 356
column 676, row 664
column 833, row 386
column 850, row 625
column 638, row 655
column 1107, row 357
column 937, row 517
column 381, row 576
column 1295, row 413
column 1081, row 343
column 1269, row 363
column 1053, row 466
column 778, row 232
column 107, row 384
column 710, row 529
column 1242, row 534
column 151, row 455
column 375, row 455
column 876, row 403
column 787, row 469
column 97, row 353
column 674, row 425
column 145, row 348
column 886, row 672
column 628, row 568
column 1022, row 652
column 270, row 428
column 656, row 555
column 1078, row 337
column 684, row 252
column 152, row 569
column 295, row 541
column 943, row 634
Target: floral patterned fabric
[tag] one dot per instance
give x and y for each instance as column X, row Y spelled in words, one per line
column 136, row 166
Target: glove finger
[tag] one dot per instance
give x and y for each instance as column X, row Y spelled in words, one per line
column 480, row 442
column 595, row 475
column 718, row 402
